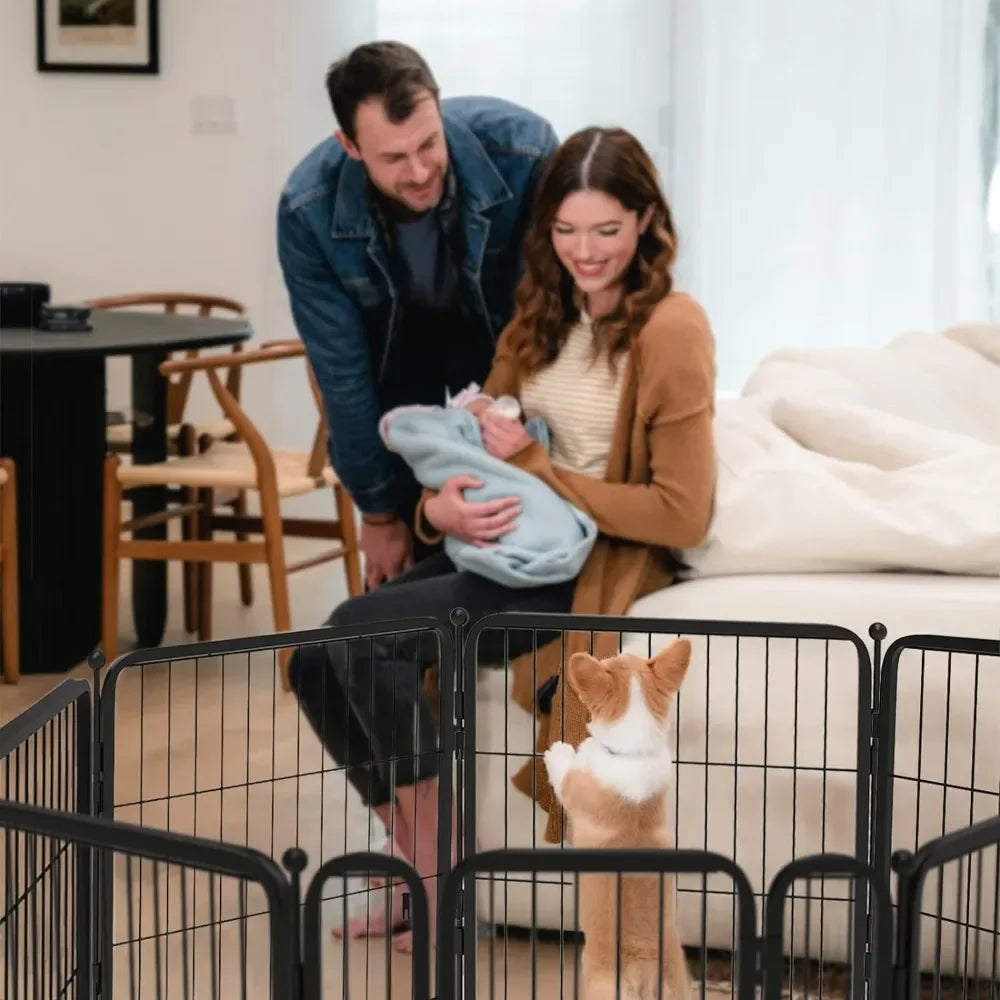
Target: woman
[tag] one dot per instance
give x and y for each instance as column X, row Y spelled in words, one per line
column 622, row 369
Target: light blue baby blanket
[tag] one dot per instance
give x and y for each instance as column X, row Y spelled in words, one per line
column 552, row 537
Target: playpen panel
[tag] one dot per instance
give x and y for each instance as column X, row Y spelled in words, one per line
column 939, row 751
column 771, row 742
column 800, row 919
column 947, row 905
column 366, row 967
column 182, row 926
column 203, row 740
column 45, row 892
column 500, row 959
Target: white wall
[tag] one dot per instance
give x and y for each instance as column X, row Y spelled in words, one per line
column 104, row 188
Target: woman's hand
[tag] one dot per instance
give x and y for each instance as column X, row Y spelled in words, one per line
column 479, row 524
column 503, row 437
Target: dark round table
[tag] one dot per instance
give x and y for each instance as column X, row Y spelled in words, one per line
column 53, row 425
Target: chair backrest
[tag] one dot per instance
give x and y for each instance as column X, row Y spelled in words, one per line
column 318, row 453
column 179, row 387
column 246, row 430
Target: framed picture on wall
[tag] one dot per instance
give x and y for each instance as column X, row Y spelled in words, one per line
column 98, row 36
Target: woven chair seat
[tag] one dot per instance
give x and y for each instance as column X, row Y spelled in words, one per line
column 228, row 464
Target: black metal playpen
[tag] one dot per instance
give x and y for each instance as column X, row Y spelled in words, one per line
column 174, row 828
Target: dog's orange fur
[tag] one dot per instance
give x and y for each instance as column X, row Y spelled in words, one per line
column 650, row 949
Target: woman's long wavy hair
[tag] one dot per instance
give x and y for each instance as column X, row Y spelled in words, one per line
column 614, row 162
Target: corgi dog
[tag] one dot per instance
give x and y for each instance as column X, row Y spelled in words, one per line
column 614, row 789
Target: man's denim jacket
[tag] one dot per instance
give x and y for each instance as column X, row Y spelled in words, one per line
column 340, row 276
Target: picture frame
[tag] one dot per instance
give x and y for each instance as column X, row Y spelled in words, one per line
column 97, row 36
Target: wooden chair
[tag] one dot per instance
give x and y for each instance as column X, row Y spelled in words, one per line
column 9, row 612
column 182, row 437
column 249, row 464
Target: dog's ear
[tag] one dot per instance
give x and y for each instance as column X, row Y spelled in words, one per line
column 670, row 665
column 589, row 678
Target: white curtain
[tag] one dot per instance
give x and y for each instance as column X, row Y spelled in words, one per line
column 825, row 161
column 578, row 62
column 827, row 169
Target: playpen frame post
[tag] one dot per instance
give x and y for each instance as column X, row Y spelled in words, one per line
column 87, row 931
column 453, row 742
column 102, row 866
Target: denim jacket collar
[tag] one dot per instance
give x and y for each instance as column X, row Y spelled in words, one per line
column 482, row 185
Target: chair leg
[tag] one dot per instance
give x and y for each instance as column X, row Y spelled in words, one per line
column 274, row 544
column 9, row 611
column 239, row 506
column 206, row 502
column 187, row 445
column 110, row 560
column 190, row 570
column 352, row 553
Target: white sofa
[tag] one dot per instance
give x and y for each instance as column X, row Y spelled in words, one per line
column 880, row 503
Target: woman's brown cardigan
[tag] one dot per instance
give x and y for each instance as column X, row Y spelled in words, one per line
column 657, row 494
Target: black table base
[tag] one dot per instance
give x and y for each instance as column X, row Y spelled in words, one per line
column 54, row 407
column 149, row 436
column 52, row 424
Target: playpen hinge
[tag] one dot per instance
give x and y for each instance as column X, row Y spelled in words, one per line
column 872, row 757
column 459, row 725
column 460, row 924
column 758, row 961
column 99, row 777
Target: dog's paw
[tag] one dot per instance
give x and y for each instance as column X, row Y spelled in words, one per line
column 558, row 760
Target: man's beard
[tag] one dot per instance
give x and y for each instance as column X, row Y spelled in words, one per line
column 401, row 211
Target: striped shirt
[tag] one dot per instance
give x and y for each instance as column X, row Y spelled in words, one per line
column 577, row 396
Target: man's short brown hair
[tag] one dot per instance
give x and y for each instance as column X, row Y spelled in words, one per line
column 390, row 70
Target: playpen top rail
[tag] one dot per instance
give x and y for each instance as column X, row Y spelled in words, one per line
column 216, row 857
column 273, row 641
column 969, row 646
column 547, row 621
column 33, row 719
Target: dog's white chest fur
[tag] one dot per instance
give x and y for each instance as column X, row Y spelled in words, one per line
column 629, row 756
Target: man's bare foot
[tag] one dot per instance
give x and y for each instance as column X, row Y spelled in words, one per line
column 373, row 922
column 403, row 942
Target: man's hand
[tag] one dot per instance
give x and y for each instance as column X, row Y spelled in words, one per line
column 479, row 524
column 503, row 437
column 388, row 550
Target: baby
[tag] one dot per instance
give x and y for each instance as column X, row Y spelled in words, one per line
column 551, row 539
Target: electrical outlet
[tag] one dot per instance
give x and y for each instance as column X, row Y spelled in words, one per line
column 213, row 115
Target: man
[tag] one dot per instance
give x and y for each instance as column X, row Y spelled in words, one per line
column 400, row 242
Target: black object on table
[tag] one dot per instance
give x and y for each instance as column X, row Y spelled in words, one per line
column 52, row 424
